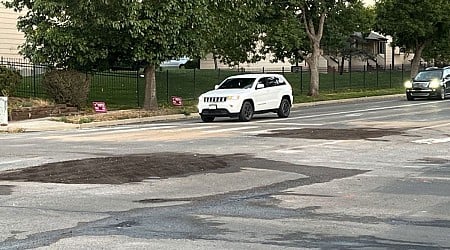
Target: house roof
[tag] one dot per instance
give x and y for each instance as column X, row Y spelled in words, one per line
column 375, row 36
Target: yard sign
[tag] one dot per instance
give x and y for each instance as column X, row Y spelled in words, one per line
column 99, row 107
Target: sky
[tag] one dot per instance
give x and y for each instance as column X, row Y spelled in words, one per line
column 369, row 2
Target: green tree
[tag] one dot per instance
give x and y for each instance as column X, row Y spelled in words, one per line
column 295, row 29
column 284, row 36
column 414, row 25
column 438, row 52
column 98, row 34
column 235, row 32
column 345, row 30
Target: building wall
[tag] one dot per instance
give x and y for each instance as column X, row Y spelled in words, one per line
column 10, row 37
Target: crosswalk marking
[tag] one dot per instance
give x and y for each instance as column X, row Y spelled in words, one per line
column 230, row 129
column 432, row 140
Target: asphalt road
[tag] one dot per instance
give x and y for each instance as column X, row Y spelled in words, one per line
column 367, row 174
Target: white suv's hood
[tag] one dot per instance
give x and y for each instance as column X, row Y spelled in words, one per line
column 225, row 92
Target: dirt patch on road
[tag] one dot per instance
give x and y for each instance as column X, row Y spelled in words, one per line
column 333, row 134
column 119, row 170
column 137, row 168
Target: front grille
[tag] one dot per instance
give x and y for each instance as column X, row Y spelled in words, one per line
column 214, row 99
column 216, row 112
column 420, row 85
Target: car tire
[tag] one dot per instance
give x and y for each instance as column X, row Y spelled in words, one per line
column 207, row 118
column 285, row 108
column 409, row 97
column 442, row 94
column 246, row 112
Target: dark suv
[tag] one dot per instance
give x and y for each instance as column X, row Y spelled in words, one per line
column 432, row 82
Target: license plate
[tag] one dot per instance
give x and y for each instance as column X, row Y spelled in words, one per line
column 212, row 106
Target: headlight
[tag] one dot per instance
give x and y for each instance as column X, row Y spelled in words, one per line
column 435, row 83
column 408, row 84
column 233, row 97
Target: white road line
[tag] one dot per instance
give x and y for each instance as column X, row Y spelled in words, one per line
column 295, row 124
column 271, row 130
column 194, row 128
column 126, row 130
column 230, row 129
column 434, row 126
column 433, row 141
column 354, row 111
column 354, row 115
column 13, row 161
column 297, row 149
column 430, row 178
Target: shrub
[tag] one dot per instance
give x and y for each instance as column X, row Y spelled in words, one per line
column 9, row 81
column 69, row 87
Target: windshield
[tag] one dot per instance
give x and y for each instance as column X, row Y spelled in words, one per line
column 428, row 75
column 237, row 83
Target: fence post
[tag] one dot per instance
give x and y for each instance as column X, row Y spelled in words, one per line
column 301, row 79
column 34, row 79
column 282, row 69
column 137, row 88
column 350, row 75
column 390, row 76
column 263, row 69
column 364, row 76
column 194, row 85
column 334, row 78
column 167, row 86
column 377, row 73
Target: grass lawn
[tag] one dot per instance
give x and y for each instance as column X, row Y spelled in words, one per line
column 125, row 89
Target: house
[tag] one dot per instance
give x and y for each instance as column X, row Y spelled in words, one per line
column 379, row 54
column 378, row 46
column 10, row 37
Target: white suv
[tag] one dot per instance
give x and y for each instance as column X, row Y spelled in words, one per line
column 244, row 95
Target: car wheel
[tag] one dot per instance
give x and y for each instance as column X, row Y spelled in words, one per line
column 409, row 97
column 207, row 118
column 285, row 108
column 442, row 96
column 246, row 113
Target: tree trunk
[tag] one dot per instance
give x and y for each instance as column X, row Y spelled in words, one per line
column 150, row 101
column 416, row 59
column 341, row 69
column 216, row 64
column 313, row 63
column 313, row 58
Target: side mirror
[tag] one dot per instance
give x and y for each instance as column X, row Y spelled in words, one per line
column 260, row 86
column 447, row 76
column 216, row 86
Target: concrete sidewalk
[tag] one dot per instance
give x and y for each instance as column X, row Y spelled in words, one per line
column 48, row 124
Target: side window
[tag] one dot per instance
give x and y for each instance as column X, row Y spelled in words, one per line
column 446, row 73
column 264, row 81
column 280, row 81
column 271, row 82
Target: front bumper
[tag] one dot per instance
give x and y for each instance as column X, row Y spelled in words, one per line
column 423, row 92
column 224, row 109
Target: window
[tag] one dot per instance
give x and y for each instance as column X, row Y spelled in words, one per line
column 237, row 83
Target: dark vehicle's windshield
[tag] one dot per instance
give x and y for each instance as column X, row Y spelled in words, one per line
column 428, row 75
column 238, row 83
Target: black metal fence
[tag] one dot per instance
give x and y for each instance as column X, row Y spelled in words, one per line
column 125, row 88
